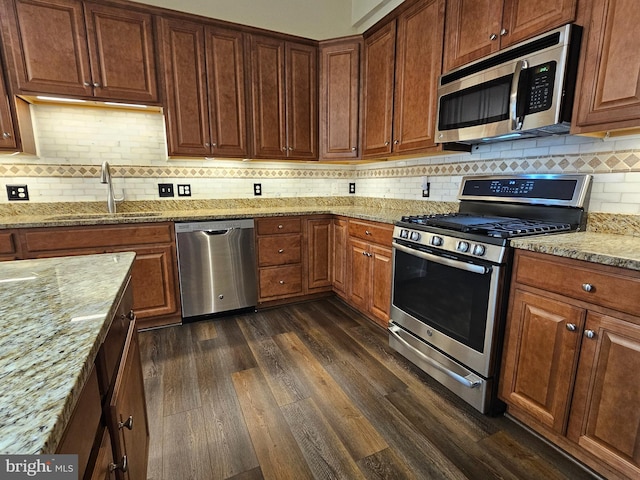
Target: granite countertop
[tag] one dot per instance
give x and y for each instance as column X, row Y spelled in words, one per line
column 604, row 248
column 54, row 315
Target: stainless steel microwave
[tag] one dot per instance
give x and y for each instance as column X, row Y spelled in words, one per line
column 520, row 92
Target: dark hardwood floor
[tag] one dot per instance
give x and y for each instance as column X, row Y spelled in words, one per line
column 313, row 391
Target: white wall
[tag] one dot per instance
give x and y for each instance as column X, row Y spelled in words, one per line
column 364, row 13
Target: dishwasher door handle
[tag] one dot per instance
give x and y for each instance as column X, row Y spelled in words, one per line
column 217, row 232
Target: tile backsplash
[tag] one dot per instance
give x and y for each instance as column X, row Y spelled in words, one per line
column 74, row 141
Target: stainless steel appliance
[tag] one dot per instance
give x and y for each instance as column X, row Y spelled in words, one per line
column 216, row 265
column 520, row 92
column 451, row 275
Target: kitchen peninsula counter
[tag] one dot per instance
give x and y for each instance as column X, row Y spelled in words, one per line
column 54, row 315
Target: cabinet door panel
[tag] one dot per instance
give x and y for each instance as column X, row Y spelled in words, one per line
column 268, row 102
column 381, row 267
column 339, row 100
column 50, row 47
column 609, row 93
column 379, row 51
column 418, row 65
column 302, row 101
column 605, row 413
column 359, row 268
column 540, row 357
column 340, row 252
column 523, row 19
column 121, row 46
column 227, row 92
column 319, row 254
column 7, row 131
column 469, row 30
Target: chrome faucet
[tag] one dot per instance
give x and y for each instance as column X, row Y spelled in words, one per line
column 105, row 177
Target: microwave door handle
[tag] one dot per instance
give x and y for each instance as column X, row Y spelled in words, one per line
column 516, row 121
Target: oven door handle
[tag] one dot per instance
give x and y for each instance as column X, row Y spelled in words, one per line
column 470, row 381
column 481, row 269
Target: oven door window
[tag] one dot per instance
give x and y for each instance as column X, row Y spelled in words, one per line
column 446, row 298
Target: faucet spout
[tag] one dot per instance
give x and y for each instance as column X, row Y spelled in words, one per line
column 105, row 177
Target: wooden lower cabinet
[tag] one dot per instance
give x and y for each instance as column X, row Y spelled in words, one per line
column 9, row 246
column 568, row 367
column 319, row 247
column 156, row 297
column 339, row 257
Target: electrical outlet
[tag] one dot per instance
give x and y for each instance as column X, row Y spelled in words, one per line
column 165, row 189
column 184, row 190
column 426, row 188
column 352, row 188
column 257, row 189
column 17, row 192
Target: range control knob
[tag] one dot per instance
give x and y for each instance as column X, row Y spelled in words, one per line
column 404, row 233
column 462, row 247
column 436, row 241
column 415, row 236
column 479, row 250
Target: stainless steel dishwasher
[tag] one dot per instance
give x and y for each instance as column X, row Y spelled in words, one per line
column 216, row 265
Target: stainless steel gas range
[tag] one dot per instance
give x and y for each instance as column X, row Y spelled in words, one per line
column 451, row 275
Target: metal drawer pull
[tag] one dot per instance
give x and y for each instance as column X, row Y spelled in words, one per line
column 281, row 282
column 123, row 466
column 281, row 250
column 128, row 423
column 367, row 232
column 571, row 327
column 279, row 226
column 589, row 333
column 587, row 287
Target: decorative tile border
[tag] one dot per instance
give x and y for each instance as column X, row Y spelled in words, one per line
column 607, row 162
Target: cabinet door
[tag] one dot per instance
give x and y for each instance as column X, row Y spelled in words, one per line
column 524, row 19
column 380, row 286
column 128, row 411
column 49, row 46
column 121, row 48
column 340, row 233
column 319, row 254
column 359, row 273
column 379, row 51
column 227, row 93
column 608, row 95
column 302, row 101
column 339, row 99
column 542, row 339
column 188, row 131
column 104, row 460
column 418, row 65
column 472, row 30
column 605, row 412
column 7, row 131
column 268, row 102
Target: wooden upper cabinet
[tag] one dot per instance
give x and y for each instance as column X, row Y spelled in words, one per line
column 476, row 28
column 284, row 98
column 378, row 71
column 402, row 63
column 419, row 40
column 205, row 90
column 608, row 93
column 73, row 48
column 339, row 99
column 7, row 130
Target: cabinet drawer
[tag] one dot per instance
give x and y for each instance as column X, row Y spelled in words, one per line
column 279, row 250
column 280, row 281
column 372, row 232
column 7, row 243
column 99, row 236
column 278, row 225
column 618, row 289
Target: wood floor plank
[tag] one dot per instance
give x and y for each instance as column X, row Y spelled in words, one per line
column 150, row 354
column 386, row 465
column 203, row 330
column 154, row 396
column 353, row 429
column 276, row 449
column 326, row 456
column 185, row 450
column 224, row 423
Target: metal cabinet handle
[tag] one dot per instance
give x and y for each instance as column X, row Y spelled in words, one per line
column 96, row 84
column 386, row 144
column 290, row 149
column 589, row 333
column 281, row 250
column 87, row 84
column 123, row 466
column 353, row 149
column 280, row 227
column 587, row 287
column 396, row 142
column 284, row 149
column 281, row 282
column 503, row 32
column 6, row 135
column 207, row 144
column 571, row 327
column 214, row 144
column 367, row 232
column 493, row 36
column 128, row 423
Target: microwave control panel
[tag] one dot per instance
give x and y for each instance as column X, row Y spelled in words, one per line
column 541, row 80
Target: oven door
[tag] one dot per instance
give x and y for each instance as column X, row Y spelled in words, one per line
column 448, row 302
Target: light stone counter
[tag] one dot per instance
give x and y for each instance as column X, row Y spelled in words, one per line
column 604, row 248
column 54, row 315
